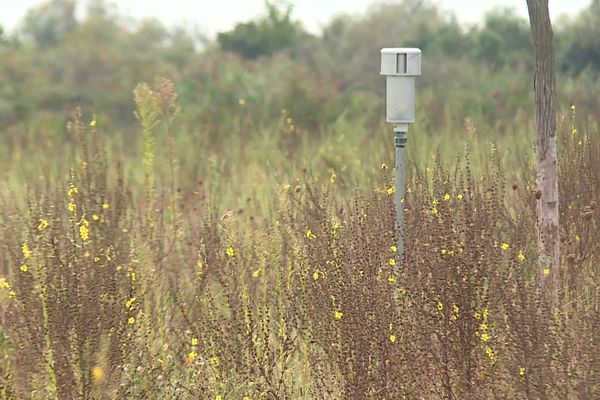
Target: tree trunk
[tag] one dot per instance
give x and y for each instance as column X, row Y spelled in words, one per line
column 544, row 83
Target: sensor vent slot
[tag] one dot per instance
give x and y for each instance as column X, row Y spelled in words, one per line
column 401, row 65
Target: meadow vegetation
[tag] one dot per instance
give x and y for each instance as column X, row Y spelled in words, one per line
column 196, row 219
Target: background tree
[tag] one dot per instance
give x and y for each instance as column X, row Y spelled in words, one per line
column 544, row 83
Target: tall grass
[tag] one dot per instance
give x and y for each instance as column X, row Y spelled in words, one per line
column 262, row 265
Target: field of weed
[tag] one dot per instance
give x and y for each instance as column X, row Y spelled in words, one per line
column 264, row 266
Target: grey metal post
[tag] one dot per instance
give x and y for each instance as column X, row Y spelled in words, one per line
column 400, row 66
column 400, row 140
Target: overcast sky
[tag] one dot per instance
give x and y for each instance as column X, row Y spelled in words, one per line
column 219, row 15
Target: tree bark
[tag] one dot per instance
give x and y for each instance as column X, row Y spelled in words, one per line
column 544, row 83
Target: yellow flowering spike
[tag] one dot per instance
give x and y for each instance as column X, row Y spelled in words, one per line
column 96, row 217
column 12, row 294
column 394, row 249
column 434, row 211
column 26, row 251
column 505, row 246
column 338, row 314
column 460, row 196
column 195, row 341
column 230, row 252
column 485, row 337
column 546, row 271
column 310, row 235
column 131, row 320
column 84, row 230
column 521, row 256
column 256, row 273
column 393, row 338
column 447, row 197
column 391, row 190
column 72, row 207
column 42, row 225
column 214, row 360
column 392, row 262
column 98, row 374
column 391, row 279
column 440, row 306
column 72, row 191
column 105, row 206
column 24, row 268
column 522, row 372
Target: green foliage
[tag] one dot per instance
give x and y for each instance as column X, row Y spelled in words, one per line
column 50, row 22
column 264, row 37
column 505, row 40
column 581, row 49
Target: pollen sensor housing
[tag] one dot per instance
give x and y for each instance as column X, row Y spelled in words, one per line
column 400, row 66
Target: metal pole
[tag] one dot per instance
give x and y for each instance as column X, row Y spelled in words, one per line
column 400, row 140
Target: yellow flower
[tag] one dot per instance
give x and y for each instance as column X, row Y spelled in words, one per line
column 477, row 315
column 246, row 398
column 310, row 235
column 440, row 306
column 316, row 276
column 484, row 337
column 384, row 166
column 391, row 190
column 392, row 262
column 230, row 252
column 98, row 374
column 521, row 256
column 96, row 217
column 24, row 268
column 434, row 210
column 131, row 321
column 256, row 273
column 447, row 197
column 12, row 294
column 84, row 230
column 26, row 251
column 218, row 397
column 130, row 304
column 195, row 341
column 455, row 310
column 4, row 283
column 546, row 271
column 505, row 246
column 338, row 314
column 459, row 196
column 394, row 249
column 192, row 355
column 214, row 360
column 105, row 206
column 490, row 353
column 242, row 102
column 393, row 338
column 522, row 372
column 391, row 279
column 93, row 123
column 72, row 191
column 42, row 225
column 72, row 206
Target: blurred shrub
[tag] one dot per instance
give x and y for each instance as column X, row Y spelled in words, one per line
column 264, row 37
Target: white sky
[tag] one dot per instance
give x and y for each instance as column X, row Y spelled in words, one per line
column 213, row 16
